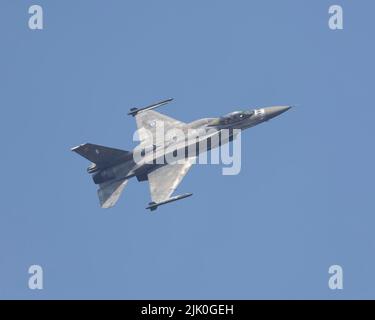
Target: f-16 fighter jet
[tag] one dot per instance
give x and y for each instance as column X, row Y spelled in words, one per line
column 167, row 149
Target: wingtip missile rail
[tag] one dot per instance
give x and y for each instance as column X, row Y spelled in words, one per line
column 134, row 111
column 153, row 205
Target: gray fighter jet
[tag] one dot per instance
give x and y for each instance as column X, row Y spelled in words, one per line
column 112, row 168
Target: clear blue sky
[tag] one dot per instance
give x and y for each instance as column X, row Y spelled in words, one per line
column 304, row 199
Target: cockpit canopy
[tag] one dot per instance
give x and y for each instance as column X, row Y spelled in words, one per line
column 234, row 117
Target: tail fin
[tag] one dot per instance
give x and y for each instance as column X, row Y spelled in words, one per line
column 109, row 192
column 100, row 155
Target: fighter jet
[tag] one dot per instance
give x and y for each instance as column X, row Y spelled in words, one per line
column 111, row 168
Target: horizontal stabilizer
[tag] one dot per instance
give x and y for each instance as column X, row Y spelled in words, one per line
column 100, row 155
column 109, row 192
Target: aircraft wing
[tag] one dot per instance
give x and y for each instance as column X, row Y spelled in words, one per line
column 164, row 180
column 149, row 121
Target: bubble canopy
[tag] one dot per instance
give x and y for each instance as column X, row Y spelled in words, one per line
column 235, row 116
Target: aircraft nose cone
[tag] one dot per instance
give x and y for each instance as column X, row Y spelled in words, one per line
column 276, row 111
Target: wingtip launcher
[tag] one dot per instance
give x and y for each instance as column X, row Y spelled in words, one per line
column 153, row 205
column 134, row 111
